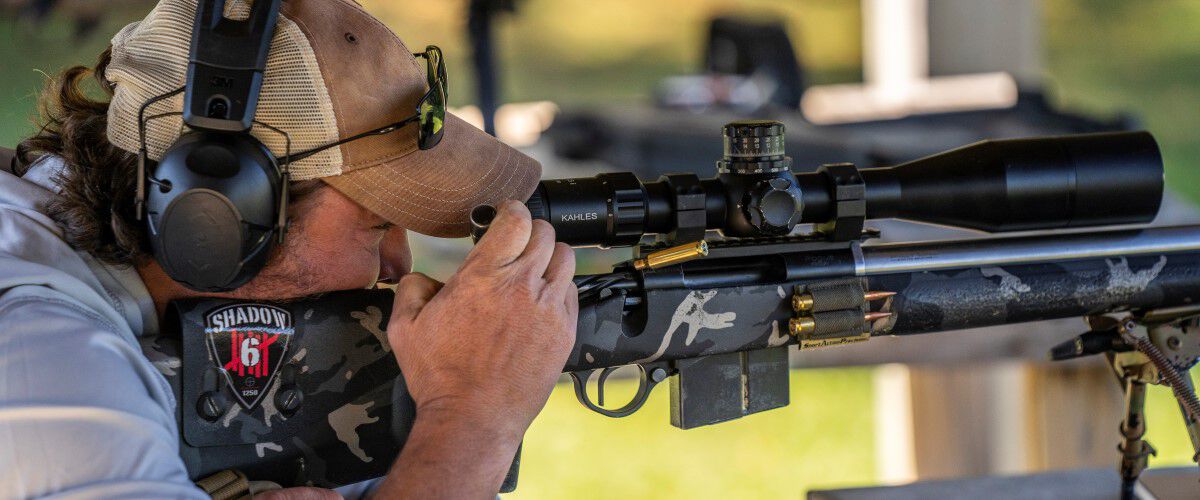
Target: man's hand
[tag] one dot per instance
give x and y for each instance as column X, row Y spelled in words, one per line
column 302, row 493
column 481, row 353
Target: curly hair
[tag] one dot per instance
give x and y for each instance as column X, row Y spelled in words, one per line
column 95, row 209
column 97, row 185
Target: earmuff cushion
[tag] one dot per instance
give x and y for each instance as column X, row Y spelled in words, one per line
column 200, row 238
column 212, row 230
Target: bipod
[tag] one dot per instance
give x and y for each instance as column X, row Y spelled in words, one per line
column 1156, row 347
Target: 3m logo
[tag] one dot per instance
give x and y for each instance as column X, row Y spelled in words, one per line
column 221, row 82
column 248, row 342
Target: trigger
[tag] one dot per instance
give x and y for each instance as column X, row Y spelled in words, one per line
column 604, row 374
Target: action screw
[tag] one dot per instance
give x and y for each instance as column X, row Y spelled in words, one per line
column 288, row 400
column 210, row 406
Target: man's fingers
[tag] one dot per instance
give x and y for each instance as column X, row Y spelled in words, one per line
column 571, row 300
column 507, row 236
column 540, row 248
column 302, row 493
column 561, row 269
column 412, row 293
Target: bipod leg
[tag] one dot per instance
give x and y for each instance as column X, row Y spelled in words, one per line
column 1192, row 424
column 1134, row 450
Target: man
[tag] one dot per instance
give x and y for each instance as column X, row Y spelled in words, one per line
column 83, row 413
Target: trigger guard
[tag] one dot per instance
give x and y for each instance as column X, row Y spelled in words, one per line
column 645, row 385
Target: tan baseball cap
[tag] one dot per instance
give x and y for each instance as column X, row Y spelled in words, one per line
column 333, row 71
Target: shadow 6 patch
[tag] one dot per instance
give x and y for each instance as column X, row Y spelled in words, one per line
column 248, row 342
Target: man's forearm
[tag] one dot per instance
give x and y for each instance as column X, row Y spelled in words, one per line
column 452, row 456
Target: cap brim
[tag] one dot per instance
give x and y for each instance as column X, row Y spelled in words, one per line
column 433, row 191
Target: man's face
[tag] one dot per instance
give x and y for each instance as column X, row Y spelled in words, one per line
column 332, row 244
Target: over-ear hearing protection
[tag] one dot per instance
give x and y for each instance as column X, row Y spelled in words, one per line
column 218, row 203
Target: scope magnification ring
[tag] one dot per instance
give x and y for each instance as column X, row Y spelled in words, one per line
column 626, row 208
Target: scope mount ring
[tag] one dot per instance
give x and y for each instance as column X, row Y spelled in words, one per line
column 687, row 199
column 849, row 202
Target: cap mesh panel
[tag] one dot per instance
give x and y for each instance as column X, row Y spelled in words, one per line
column 150, row 59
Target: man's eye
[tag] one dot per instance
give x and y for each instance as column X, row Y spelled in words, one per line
column 384, row 227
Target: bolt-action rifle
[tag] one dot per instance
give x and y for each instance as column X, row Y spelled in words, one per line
column 730, row 271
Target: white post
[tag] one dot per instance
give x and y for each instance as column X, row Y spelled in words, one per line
column 895, row 453
column 896, row 74
column 895, row 47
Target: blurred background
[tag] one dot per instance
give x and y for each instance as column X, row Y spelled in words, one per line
column 588, row 86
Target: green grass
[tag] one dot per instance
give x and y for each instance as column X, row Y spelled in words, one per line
column 824, row 439
column 1140, row 58
column 30, row 54
column 1165, row 428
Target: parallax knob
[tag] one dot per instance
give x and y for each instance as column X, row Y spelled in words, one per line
column 774, row 206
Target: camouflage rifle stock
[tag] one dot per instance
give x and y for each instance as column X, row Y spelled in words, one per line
column 719, row 334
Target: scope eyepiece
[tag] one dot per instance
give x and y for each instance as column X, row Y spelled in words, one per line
column 605, row 210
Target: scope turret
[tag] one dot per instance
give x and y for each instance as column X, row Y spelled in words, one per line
column 994, row 186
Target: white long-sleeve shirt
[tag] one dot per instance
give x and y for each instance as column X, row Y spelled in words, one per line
column 83, row 413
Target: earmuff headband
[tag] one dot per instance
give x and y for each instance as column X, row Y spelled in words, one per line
column 226, row 65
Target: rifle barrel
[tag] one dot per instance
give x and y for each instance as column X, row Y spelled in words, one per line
column 996, row 251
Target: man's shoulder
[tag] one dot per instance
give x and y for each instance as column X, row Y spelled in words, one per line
column 23, row 221
column 73, row 369
column 35, row 258
column 36, row 264
column 31, row 190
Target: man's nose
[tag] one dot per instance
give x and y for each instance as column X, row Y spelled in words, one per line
column 395, row 257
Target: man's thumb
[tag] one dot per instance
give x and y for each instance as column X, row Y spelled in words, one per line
column 412, row 293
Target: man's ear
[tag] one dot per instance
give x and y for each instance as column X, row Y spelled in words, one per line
column 303, row 197
column 298, row 191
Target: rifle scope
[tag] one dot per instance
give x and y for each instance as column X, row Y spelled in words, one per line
column 993, row 186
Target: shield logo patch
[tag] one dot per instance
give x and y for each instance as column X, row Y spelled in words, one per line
column 248, row 343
